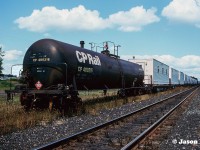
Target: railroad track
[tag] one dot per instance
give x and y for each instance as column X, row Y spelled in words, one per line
column 151, row 138
column 125, row 131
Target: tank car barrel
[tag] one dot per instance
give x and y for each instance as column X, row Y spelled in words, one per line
column 54, row 65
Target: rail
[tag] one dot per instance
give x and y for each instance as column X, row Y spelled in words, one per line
column 153, row 126
column 54, row 144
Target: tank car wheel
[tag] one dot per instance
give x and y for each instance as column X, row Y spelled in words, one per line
column 140, row 92
column 149, row 91
column 50, row 104
column 64, row 106
column 135, row 92
column 68, row 107
column 121, row 93
column 28, row 104
column 26, row 101
column 79, row 107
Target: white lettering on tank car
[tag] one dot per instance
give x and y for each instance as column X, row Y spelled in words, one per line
column 85, row 57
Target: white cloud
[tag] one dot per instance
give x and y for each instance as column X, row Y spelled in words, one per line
column 188, row 64
column 80, row 18
column 187, row 11
column 134, row 19
column 12, row 55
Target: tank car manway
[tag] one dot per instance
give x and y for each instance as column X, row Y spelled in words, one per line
column 120, row 131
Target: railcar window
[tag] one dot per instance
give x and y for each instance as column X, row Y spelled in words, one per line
column 158, row 69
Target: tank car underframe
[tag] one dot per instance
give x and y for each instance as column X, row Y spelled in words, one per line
column 67, row 101
column 64, row 97
column 133, row 91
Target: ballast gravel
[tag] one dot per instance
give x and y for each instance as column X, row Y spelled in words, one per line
column 185, row 135
column 42, row 134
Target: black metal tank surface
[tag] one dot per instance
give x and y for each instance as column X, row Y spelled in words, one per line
column 50, row 62
column 54, row 72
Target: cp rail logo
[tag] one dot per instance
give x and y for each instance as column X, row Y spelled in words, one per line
column 82, row 57
column 38, row 85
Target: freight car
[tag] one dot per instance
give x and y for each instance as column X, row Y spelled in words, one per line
column 160, row 76
column 156, row 73
column 54, row 72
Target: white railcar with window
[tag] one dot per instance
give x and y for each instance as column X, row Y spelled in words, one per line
column 181, row 78
column 173, row 76
column 186, row 79
column 156, row 72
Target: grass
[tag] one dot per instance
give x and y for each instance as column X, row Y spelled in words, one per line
column 13, row 117
column 94, row 108
column 92, row 94
column 5, row 84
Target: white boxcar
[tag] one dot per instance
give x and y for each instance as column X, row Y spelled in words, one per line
column 181, row 78
column 189, row 80
column 156, row 72
column 173, row 76
column 186, row 79
column 194, row 80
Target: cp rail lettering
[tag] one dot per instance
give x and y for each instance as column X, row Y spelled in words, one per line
column 82, row 57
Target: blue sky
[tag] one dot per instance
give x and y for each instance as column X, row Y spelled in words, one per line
column 168, row 30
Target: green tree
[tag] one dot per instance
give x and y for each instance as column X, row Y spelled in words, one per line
column 1, row 59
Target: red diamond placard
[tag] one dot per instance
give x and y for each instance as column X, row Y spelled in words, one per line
column 38, row 85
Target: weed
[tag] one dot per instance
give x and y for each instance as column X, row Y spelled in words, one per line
column 13, row 117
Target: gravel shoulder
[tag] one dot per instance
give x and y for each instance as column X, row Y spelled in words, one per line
column 186, row 133
column 45, row 133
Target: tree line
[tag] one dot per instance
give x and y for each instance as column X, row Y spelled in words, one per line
column 1, row 59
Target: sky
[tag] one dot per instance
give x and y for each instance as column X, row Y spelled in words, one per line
column 167, row 30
